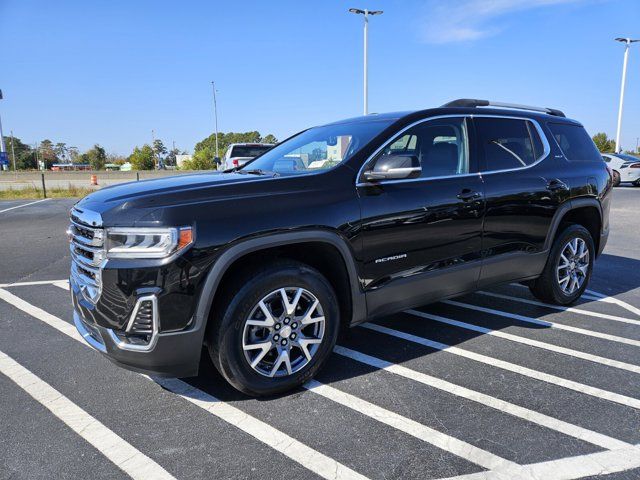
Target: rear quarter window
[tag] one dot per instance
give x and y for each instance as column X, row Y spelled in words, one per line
column 575, row 142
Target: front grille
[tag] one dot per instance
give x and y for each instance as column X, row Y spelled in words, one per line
column 87, row 253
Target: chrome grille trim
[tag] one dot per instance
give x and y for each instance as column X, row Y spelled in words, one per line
column 87, row 252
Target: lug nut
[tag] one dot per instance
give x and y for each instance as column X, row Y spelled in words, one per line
column 284, row 342
column 294, row 325
column 293, row 336
column 286, row 321
column 276, row 337
column 277, row 326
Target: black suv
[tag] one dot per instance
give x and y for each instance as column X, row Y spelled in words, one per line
column 337, row 225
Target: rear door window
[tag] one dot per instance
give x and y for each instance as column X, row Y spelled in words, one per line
column 507, row 143
column 575, row 142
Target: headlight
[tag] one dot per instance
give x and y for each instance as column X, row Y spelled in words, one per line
column 125, row 242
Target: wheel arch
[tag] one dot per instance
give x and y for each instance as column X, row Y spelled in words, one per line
column 582, row 211
column 235, row 254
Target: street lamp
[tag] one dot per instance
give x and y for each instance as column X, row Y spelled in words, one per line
column 366, row 14
column 627, row 43
column 215, row 116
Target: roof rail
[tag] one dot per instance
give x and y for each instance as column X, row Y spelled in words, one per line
column 472, row 103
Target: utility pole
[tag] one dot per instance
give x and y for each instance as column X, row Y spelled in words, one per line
column 215, row 116
column 366, row 14
column 13, row 153
column 627, row 43
column 153, row 149
column 3, row 152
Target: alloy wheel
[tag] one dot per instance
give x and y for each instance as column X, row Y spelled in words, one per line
column 283, row 332
column 573, row 265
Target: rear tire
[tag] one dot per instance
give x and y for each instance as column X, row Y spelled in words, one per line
column 636, row 183
column 269, row 352
column 568, row 269
column 616, row 178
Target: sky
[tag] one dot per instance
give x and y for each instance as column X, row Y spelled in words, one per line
column 110, row 72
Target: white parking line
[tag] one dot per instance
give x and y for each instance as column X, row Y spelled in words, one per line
column 598, row 297
column 570, row 468
column 607, row 299
column 580, row 311
column 309, row 458
column 26, row 284
column 434, row 437
column 306, row 456
column 534, row 343
column 494, row 362
column 544, row 323
column 23, row 205
column 64, row 284
column 546, row 421
column 124, row 455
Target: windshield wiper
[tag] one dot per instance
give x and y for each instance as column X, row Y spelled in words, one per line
column 258, row 171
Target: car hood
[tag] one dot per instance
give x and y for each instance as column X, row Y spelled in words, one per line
column 134, row 202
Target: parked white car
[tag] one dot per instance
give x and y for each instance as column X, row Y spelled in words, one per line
column 240, row 153
column 626, row 168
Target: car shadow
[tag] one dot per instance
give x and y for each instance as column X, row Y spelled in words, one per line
column 615, row 275
column 398, row 350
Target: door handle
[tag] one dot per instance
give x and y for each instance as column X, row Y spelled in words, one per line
column 555, row 185
column 467, row 195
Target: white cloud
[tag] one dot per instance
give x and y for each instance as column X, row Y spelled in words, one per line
column 465, row 20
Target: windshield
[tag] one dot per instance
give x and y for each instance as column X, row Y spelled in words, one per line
column 319, row 148
column 248, row 150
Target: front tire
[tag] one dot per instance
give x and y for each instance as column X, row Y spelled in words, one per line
column 568, row 269
column 277, row 330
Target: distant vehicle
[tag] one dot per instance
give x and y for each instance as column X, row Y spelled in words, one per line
column 240, row 153
column 626, row 168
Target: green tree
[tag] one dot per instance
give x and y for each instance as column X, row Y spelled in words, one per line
column 47, row 153
column 142, row 158
column 24, row 154
column 604, row 143
column 73, row 154
column 159, row 150
column 225, row 139
column 170, row 159
column 270, row 139
column 97, row 157
column 60, row 149
column 201, row 160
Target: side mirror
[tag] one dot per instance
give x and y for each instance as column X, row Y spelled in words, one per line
column 394, row 167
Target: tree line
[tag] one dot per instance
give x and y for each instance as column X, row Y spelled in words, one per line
column 608, row 145
column 146, row 157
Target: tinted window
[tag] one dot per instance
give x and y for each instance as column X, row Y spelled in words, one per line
column 440, row 145
column 248, row 151
column 575, row 142
column 507, row 143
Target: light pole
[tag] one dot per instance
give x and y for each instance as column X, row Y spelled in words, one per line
column 3, row 152
column 366, row 14
column 627, row 43
column 215, row 116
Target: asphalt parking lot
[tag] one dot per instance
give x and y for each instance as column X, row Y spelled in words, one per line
column 493, row 385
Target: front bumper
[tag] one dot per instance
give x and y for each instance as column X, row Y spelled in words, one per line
column 173, row 354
